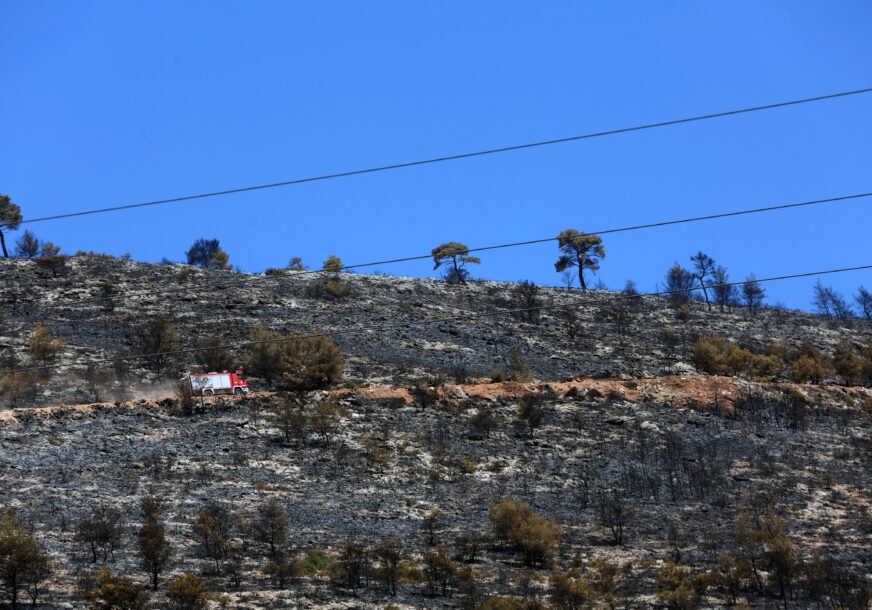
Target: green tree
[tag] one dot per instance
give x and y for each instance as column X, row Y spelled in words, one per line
column 23, row 565
column 208, row 254
column 753, row 294
column 679, row 285
column 10, row 218
column 27, row 246
column 298, row 362
column 389, row 554
column 332, row 264
column 457, row 256
column 703, row 266
column 157, row 336
column 579, row 250
column 271, row 526
column 154, row 546
column 212, row 530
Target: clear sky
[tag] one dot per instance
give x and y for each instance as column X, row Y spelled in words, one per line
column 113, row 102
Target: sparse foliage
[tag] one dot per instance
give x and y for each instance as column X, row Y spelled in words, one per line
column 10, row 218
column 679, row 285
column 579, row 250
column 703, row 267
column 43, row 347
column 23, row 564
column 27, row 246
column 457, row 256
column 752, row 294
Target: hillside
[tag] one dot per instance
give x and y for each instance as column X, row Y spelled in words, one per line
column 615, row 475
column 610, row 335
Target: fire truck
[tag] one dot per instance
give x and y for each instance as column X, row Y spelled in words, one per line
column 208, row 384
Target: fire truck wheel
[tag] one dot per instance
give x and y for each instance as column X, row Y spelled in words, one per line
column 237, row 390
column 208, row 392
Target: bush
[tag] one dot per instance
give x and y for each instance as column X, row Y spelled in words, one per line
column 807, row 368
column 336, row 289
column 519, row 367
column 531, row 411
column 115, row 593
column 717, row 356
column 42, row 346
column 304, row 363
column 675, row 588
column 846, row 364
column 569, row 592
column 187, row 592
column 534, row 536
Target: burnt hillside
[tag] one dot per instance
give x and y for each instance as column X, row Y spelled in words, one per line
column 97, row 305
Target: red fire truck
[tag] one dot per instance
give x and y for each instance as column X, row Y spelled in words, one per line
column 208, row 384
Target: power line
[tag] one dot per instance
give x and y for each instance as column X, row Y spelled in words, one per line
column 486, row 314
column 419, row 257
column 454, row 157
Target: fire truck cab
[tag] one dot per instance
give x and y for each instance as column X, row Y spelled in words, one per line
column 209, row 384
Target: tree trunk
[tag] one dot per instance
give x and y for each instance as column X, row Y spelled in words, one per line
column 705, row 293
column 3, row 243
column 581, row 275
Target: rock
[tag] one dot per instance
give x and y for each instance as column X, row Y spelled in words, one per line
column 458, row 393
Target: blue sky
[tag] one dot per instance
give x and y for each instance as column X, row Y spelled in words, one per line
column 106, row 103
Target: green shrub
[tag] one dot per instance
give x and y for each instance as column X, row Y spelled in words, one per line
column 534, row 536
column 115, row 593
column 187, row 592
column 304, row 363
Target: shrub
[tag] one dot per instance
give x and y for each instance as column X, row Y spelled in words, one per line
column 519, row 367
column 336, row 289
column 808, row 368
column 483, row 420
column 42, row 346
column 281, row 569
column 525, row 298
column 304, row 363
column 717, row 356
column 569, row 592
column 115, row 593
column 534, row 536
column 531, row 411
column 187, row 592
column 332, row 264
column 675, row 588
column 846, row 364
